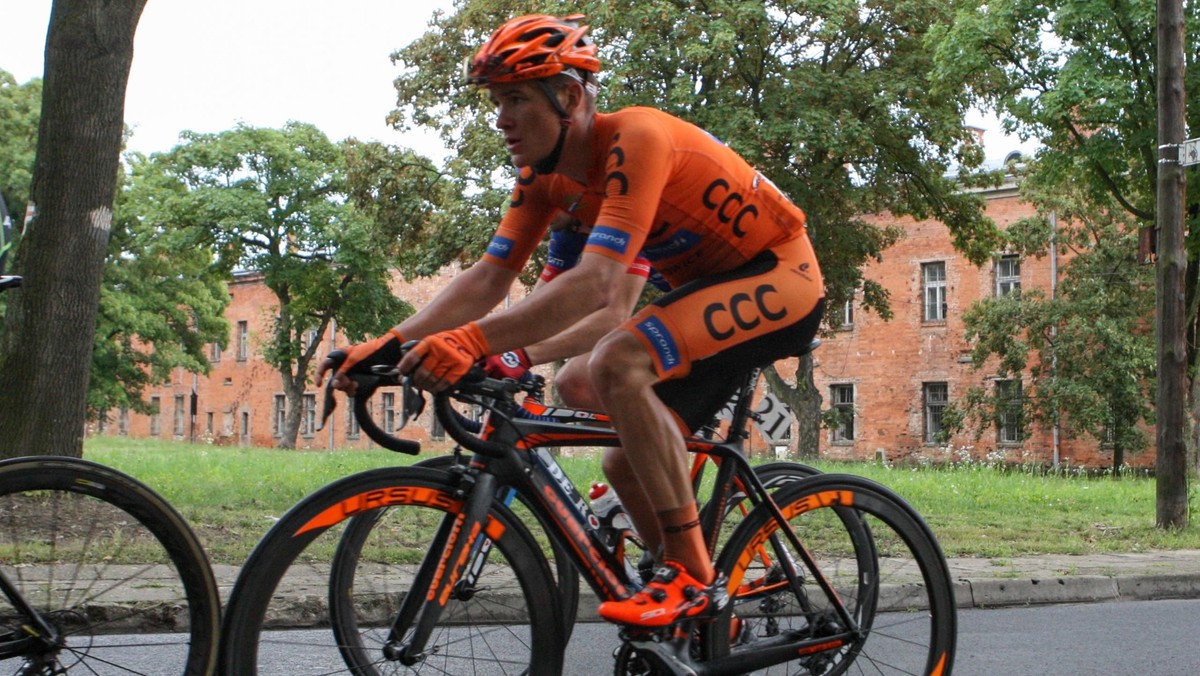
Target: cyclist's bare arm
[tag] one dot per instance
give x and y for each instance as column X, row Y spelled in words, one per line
column 470, row 295
column 583, row 335
column 591, row 286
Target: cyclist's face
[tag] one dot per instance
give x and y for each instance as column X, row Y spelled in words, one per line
column 528, row 120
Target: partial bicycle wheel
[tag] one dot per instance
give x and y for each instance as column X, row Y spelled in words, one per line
column 501, row 619
column 566, row 577
column 897, row 590
column 773, row 475
column 112, row 567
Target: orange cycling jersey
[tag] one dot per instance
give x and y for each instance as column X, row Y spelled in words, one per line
column 659, row 186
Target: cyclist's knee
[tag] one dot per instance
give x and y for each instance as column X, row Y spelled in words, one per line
column 618, row 365
column 574, row 385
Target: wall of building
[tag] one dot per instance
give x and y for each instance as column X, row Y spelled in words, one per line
column 889, row 363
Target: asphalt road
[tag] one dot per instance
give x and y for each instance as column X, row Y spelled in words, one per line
column 1139, row 638
column 1142, row 638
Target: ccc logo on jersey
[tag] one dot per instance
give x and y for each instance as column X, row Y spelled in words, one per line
column 729, row 206
column 743, row 311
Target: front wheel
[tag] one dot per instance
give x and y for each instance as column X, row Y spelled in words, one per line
column 504, row 620
column 897, row 592
column 109, row 566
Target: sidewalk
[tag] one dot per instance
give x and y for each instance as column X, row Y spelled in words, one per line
column 979, row 583
column 986, row 583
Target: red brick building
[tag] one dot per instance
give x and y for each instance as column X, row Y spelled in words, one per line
column 895, row 376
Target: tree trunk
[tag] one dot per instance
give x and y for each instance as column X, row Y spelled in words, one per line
column 46, row 347
column 805, row 402
column 294, row 393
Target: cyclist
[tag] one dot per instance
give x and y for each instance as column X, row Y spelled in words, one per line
column 748, row 289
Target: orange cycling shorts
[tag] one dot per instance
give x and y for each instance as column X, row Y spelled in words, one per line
column 705, row 335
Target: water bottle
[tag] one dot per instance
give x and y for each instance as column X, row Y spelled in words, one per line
column 614, row 521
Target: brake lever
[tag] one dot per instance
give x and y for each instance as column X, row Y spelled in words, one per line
column 337, row 357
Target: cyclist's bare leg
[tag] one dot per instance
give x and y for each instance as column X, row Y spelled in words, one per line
column 574, row 386
column 624, row 481
column 651, row 435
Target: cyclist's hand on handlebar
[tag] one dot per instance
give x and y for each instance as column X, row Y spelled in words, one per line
column 513, row 364
column 441, row 360
column 382, row 351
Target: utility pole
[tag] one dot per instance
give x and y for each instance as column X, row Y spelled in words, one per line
column 1171, row 467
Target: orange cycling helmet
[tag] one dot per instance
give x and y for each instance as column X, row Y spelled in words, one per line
column 534, row 47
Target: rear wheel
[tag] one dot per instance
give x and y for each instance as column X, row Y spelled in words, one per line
column 897, row 590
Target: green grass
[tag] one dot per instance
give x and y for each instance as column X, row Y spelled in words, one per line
column 231, row 496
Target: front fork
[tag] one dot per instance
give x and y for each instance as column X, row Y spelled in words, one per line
column 451, row 553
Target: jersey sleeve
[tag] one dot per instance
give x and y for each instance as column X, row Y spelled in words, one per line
column 523, row 225
column 637, row 168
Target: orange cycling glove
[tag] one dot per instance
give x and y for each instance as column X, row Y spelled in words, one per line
column 382, row 351
column 450, row 354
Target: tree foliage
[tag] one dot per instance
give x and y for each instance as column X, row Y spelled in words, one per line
column 1080, row 76
column 278, row 202
column 20, row 110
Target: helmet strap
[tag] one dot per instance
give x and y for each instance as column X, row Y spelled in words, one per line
column 547, row 164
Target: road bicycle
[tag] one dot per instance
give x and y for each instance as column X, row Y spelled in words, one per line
column 461, row 585
column 98, row 574
column 620, row 537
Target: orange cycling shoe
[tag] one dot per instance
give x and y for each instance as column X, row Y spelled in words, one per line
column 672, row 596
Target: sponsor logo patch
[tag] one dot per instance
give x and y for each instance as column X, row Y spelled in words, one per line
column 664, row 343
column 612, row 239
column 500, row 247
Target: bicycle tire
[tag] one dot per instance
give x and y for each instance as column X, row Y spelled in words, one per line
column 898, row 589
column 289, row 576
column 104, row 557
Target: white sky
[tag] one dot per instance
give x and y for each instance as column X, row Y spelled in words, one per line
column 205, row 66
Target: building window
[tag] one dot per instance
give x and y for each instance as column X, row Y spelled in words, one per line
column 309, row 339
column 1008, row 275
column 279, row 415
column 389, row 412
column 842, row 398
column 123, row 421
column 179, row 415
column 936, row 396
column 214, row 353
column 352, row 428
column 245, row 439
column 308, row 425
column 848, row 314
column 933, row 285
column 243, row 341
column 208, row 425
column 155, row 416
column 1008, row 421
